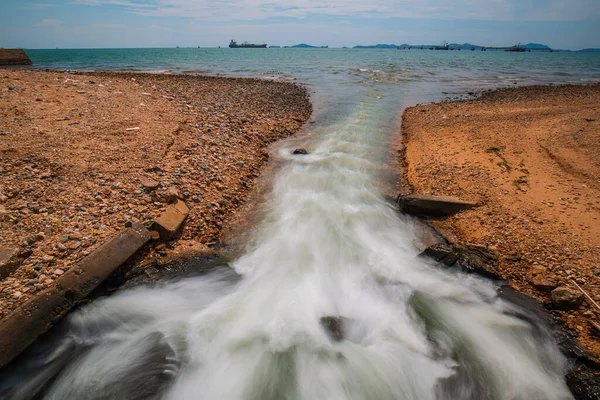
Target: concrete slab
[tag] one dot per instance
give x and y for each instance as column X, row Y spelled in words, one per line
column 20, row 328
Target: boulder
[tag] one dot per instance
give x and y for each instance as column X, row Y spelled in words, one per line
column 169, row 222
column 300, row 151
column 566, row 298
column 14, row 57
column 432, row 206
column 11, row 259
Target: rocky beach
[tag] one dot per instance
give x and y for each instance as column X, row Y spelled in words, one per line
column 530, row 158
column 84, row 155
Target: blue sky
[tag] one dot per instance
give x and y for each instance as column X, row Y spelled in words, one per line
column 570, row 24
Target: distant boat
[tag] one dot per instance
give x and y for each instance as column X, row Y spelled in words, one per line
column 233, row 44
column 444, row 46
column 517, row 48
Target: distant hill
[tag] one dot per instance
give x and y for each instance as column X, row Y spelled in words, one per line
column 306, row 46
column 377, row 46
column 589, row 51
column 535, row 45
column 469, row 45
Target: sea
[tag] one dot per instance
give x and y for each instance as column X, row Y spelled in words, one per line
column 339, row 76
column 329, row 299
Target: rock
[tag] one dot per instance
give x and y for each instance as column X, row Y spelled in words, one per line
column 14, row 57
column 566, row 298
column 538, row 278
column 334, row 327
column 75, row 245
column 170, row 221
column 171, row 195
column 477, row 259
column 300, row 151
column 149, row 184
column 47, row 258
column 11, row 259
column 432, row 206
column 443, row 253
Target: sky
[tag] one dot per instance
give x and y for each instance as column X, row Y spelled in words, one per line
column 564, row 24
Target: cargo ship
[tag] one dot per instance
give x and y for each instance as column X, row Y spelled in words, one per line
column 233, row 44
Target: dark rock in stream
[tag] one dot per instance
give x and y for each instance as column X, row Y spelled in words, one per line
column 300, row 151
column 334, row 326
column 477, row 259
column 432, row 206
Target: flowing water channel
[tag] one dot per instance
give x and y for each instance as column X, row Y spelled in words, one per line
column 329, row 250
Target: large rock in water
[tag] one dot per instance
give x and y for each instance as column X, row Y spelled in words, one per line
column 432, row 206
column 477, row 259
column 14, row 57
column 334, row 326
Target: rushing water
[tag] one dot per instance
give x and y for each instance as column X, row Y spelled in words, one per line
column 328, row 245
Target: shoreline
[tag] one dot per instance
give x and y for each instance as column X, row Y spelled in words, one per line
column 529, row 157
column 66, row 187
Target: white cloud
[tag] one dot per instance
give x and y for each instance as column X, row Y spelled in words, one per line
column 227, row 10
column 50, row 23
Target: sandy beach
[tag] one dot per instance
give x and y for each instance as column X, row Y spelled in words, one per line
column 531, row 158
column 84, row 155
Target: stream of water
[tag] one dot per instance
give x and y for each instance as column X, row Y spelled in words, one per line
column 329, row 245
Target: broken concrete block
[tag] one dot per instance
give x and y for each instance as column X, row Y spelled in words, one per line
column 170, row 221
column 21, row 327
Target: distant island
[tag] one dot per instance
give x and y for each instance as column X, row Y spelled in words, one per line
column 377, row 46
column 305, row 46
column 470, row 46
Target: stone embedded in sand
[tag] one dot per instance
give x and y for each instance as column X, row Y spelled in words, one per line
column 538, row 278
column 172, row 195
column 566, row 298
column 10, row 260
column 432, row 206
column 300, row 151
column 170, row 221
column 149, row 184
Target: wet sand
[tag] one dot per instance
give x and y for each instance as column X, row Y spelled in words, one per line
column 79, row 152
column 531, row 157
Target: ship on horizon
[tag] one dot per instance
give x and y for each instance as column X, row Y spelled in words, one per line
column 233, row 44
